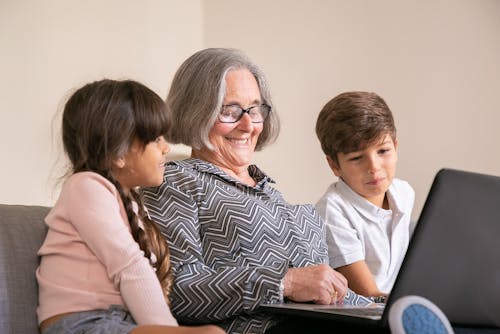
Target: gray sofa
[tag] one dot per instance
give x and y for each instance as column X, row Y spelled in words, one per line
column 22, row 232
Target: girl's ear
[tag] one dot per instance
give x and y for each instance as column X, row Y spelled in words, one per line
column 119, row 163
column 333, row 166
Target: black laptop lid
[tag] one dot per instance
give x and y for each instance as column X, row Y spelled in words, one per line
column 454, row 255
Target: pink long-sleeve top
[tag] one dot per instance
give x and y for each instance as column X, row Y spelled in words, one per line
column 89, row 259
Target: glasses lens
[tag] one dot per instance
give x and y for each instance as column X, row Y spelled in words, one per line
column 259, row 113
column 230, row 114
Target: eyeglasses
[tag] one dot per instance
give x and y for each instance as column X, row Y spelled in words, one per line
column 232, row 113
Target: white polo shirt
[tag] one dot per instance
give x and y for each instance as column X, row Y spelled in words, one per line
column 359, row 230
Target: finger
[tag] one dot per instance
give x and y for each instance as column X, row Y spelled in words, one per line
column 342, row 294
column 324, row 298
column 339, row 283
column 341, row 291
column 334, row 297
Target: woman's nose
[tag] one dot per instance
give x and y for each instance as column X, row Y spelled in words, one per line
column 245, row 122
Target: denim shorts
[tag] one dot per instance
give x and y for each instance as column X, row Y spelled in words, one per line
column 115, row 320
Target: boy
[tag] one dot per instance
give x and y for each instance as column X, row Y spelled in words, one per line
column 367, row 211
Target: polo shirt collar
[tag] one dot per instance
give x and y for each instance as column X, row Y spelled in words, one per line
column 365, row 207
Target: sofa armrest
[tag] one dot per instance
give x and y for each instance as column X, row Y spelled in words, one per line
column 22, row 232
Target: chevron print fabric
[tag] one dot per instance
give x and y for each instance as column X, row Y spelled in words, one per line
column 231, row 244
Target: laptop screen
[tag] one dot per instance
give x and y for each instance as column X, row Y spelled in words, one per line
column 454, row 256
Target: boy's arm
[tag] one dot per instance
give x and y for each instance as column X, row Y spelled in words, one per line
column 360, row 279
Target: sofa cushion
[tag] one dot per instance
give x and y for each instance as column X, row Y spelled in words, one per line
column 22, row 232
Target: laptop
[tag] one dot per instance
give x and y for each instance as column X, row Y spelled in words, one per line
column 453, row 258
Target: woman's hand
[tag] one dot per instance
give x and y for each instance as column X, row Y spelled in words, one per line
column 320, row 284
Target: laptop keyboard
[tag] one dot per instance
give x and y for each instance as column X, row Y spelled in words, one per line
column 357, row 312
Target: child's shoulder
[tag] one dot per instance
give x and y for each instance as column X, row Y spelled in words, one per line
column 402, row 192
column 87, row 182
column 331, row 197
column 332, row 190
column 401, row 186
column 87, row 177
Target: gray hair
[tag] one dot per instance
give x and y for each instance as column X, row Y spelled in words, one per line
column 197, row 93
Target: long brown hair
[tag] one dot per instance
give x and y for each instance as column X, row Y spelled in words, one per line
column 100, row 122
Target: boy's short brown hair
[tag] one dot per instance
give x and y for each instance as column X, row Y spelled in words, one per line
column 351, row 121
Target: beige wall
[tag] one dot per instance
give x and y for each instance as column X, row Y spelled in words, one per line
column 50, row 46
column 437, row 64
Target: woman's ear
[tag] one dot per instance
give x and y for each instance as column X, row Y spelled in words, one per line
column 333, row 166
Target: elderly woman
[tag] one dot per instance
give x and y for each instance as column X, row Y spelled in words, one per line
column 235, row 242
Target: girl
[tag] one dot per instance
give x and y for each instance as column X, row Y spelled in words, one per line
column 104, row 266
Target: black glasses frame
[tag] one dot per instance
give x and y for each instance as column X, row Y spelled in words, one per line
column 243, row 111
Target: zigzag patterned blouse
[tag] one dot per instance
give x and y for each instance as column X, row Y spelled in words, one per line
column 231, row 244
